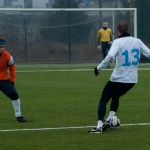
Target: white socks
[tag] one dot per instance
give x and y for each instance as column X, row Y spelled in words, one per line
column 111, row 114
column 16, row 106
column 110, row 117
column 99, row 124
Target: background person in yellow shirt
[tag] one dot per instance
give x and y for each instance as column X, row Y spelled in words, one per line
column 104, row 38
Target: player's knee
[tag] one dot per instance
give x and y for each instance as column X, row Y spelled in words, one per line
column 13, row 95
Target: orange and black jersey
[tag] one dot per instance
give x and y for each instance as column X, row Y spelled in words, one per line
column 7, row 67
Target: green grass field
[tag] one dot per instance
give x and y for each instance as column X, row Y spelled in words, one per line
column 55, row 98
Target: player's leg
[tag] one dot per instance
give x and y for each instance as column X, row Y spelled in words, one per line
column 106, row 96
column 108, row 46
column 9, row 90
column 104, row 49
column 114, row 105
column 119, row 89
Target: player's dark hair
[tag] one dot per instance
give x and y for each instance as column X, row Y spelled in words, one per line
column 123, row 26
column 2, row 42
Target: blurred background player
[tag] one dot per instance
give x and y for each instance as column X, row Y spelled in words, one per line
column 127, row 50
column 104, row 38
column 7, row 79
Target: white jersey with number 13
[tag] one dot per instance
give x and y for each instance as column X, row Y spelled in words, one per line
column 126, row 51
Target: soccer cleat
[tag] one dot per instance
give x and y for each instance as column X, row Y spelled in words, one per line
column 96, row 130
column 107, row 124
column 20, row 119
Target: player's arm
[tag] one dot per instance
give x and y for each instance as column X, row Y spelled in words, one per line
column 12, row 70
column 98, row 37
column 111, row 54
column 103, row 64
column 111, row 35
column 144, row 49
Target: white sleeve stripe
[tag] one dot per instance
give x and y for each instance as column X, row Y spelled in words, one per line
column 11, row 61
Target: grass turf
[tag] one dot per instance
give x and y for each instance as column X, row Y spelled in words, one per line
column 56, row 99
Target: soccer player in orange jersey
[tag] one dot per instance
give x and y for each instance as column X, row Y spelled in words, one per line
column 7, row 79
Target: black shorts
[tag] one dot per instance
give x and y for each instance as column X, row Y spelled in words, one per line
column 8, row 89
column 117, row 88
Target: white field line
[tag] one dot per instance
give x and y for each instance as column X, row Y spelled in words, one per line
column 59, row 70
column 65, row 128
column 70, row 70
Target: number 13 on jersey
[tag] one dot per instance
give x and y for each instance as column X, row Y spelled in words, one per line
column 133, row 60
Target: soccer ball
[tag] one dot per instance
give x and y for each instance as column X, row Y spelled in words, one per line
column 115, row 122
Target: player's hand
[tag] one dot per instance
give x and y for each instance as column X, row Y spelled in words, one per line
column 99, row 47
column 96, row 72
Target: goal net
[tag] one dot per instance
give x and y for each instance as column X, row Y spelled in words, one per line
column 59, row 35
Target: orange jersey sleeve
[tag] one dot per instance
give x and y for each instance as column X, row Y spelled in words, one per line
column 7, row 67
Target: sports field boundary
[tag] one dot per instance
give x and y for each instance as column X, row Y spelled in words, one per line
column 66, row 128
column 70, row 70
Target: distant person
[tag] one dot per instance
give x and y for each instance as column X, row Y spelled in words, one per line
column 104, row 38
column 127, row 50
column 7, row 79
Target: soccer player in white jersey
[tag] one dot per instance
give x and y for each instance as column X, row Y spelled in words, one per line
column 126, row 50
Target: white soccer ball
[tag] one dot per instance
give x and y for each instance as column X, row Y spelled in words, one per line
column 115, row 121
